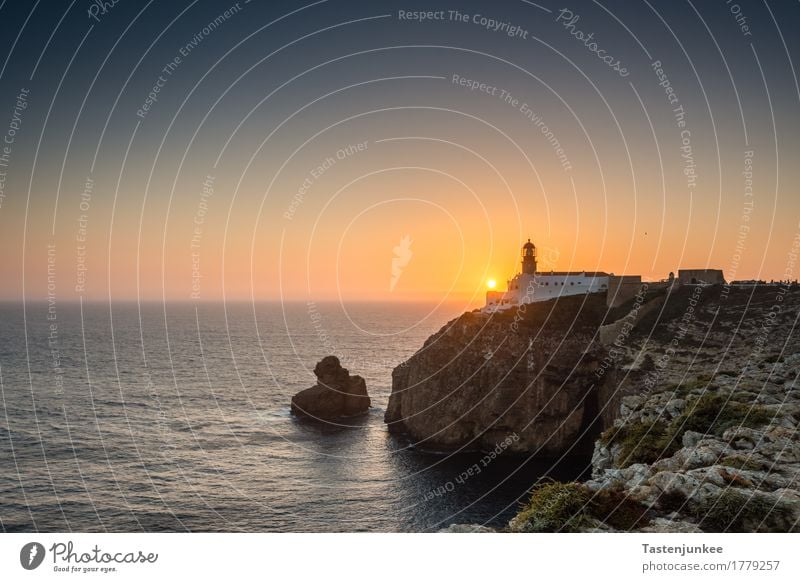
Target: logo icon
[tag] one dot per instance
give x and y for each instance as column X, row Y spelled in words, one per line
column 31, row 555
column 402, row 256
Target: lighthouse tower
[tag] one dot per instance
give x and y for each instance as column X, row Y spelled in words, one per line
column 529, row 258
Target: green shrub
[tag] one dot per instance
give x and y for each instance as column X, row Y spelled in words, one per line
column 554, row 507
column 617, row 509
column 736, row 511
column 572, row 507
column 642, row 442
column 647, row 442
column 715, row 413
column 703, row 382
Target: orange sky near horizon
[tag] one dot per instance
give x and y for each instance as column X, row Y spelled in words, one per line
column 466, row 226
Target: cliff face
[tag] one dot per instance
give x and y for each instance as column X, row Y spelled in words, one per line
column 531, row 373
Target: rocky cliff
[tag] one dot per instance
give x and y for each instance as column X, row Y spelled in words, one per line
column 533, row 372
column 708, row 438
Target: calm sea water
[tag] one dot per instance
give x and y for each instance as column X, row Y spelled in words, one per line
column 176, row 417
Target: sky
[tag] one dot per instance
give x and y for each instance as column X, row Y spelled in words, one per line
column 331, row 150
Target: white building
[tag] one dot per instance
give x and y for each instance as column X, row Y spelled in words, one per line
column 531, row 285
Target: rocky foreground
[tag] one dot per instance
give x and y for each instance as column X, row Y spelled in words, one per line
column 688, row 397
column 714, row 444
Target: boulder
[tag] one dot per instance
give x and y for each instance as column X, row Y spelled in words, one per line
column 336, row 394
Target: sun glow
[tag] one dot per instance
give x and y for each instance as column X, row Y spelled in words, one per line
column 491, row 283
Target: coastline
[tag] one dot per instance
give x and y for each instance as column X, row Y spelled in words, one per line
column 701, row 420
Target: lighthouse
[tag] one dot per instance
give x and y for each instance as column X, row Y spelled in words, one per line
column 529, row 258
column 530, row 286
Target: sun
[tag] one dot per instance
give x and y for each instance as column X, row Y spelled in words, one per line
column 491, row 283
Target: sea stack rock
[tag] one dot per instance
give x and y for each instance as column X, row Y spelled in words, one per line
column 336, row 394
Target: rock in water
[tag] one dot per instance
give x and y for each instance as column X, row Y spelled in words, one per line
column 336, row 394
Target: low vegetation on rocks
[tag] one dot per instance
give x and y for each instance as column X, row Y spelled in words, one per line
column 572, row 507
column 709, row 414
column 737, row 511
column 710, row 444
column 554, row 507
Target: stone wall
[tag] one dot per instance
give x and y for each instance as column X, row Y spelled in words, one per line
column 622, row 288
column 695, row 276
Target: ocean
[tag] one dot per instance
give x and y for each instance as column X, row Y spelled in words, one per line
column 175, row 417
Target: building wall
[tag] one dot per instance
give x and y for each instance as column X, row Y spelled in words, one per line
column 707, row 276
column 524, row 288
column 549, row 286
column 622, row 288
column 499, row 300
column 528, row 289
